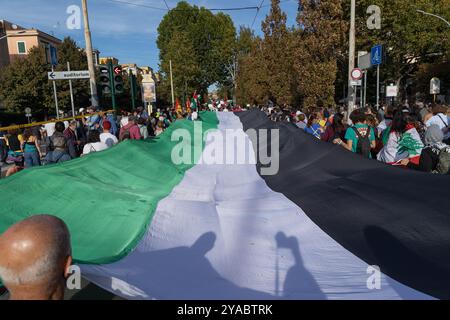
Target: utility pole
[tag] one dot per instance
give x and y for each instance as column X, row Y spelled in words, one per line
column 351, row 60
column 171, row 85
column 55, row 95
column 71, row 92
column 89, row 53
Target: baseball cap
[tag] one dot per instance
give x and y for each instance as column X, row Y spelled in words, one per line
column 106, row 125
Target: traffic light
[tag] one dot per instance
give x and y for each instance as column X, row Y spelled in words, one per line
column 105, row 81
column 118, row 79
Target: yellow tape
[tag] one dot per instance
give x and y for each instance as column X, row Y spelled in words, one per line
column 34, row 124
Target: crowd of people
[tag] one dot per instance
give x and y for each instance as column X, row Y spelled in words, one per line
column 415, row 137
column 60, row 141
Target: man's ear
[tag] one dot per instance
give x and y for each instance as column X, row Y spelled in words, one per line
column 67, row 265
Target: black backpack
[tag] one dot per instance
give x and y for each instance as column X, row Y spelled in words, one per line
column 363, row 147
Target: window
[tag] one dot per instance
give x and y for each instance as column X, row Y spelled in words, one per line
column 21, row 47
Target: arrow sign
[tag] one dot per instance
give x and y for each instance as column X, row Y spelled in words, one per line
column 68, row 75
column 117, row 70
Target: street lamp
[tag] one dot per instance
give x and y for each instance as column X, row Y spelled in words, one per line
column 434, row 15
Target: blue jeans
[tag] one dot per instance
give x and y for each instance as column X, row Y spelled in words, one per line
column 31, row 159
column 57, row 156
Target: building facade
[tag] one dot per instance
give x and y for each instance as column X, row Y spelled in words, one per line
column 106, row 60
column 16, row 42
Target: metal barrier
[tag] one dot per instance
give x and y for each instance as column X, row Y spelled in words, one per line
column 34, row 124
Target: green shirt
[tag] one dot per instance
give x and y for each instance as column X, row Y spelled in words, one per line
column 350, row 134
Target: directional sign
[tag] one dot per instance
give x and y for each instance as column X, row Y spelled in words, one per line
column 357, row 74
column 117, row 70
column 68, row 75
column 376, row 55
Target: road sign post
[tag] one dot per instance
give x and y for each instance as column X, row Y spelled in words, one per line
column 71, row 92
column 435, row 87
column 356, row 76
column 364, row 64
column 55, row 95
column 28, row 113
column 376, row 57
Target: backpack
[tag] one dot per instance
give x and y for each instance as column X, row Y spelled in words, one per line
column 58, row 141
column 443, row 166
column 363, row 146
column 124, row 135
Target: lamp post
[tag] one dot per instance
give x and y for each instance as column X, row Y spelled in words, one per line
column 434, row 15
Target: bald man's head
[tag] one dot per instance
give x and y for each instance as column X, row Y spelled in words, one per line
column 35, row 253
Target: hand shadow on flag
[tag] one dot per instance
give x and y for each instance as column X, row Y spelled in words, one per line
column 185, row 273
column 299, row 283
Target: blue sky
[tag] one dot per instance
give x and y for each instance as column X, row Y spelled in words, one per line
column 124, row 31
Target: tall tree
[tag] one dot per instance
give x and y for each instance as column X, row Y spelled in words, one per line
column 252, row 80
column 241, row 48
column 200, row 37
column 317, row 47
column 410, row 38
column 277, row 53
column 24, row 83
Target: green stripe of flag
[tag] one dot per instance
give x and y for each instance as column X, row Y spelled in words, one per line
column 108, row 198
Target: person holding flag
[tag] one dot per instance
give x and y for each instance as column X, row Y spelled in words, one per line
column 194, row 101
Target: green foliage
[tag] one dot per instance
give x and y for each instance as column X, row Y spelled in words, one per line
column 200, row 45
column 318, row 45
column 24, row 83
column 410, row 38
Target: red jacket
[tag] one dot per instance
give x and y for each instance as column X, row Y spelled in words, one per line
column 135, row 133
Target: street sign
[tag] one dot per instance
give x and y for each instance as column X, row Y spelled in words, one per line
column 68, row 75
column 391, row 91
column 357, row 74
column 355, row 82
column 376, row 55
column 435, row 86
column 364, row 61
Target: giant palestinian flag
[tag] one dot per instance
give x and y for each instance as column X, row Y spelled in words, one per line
column 328, row 225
